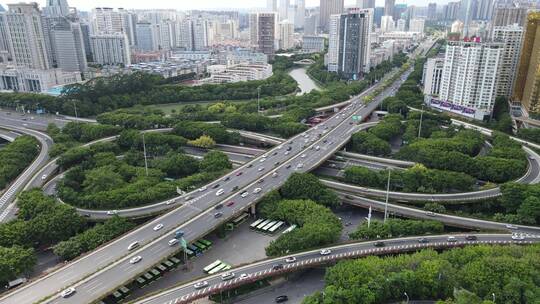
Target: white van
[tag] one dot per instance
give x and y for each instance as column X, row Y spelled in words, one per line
column 220, row 192
column 173, row 242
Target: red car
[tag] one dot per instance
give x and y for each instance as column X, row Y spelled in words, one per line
column 229, row 204
column 238, row 173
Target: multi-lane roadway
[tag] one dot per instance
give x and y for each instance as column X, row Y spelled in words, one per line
column 187, row 293
column 102, row 270
column 7, row 199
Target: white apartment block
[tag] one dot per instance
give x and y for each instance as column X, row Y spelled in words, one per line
column 111, row 49
column 433, row 76
column 387, row 24
column 469, row 76
column 332, row 56
column 400, row 25
column 286, row 35
column 106, row 20
column 27, row 40
column 511, row 37
column 417, row 25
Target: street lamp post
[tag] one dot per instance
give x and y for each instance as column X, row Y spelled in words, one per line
column 421, row 117
column 405, row 293
column 75, row 107
column 493, row 295
column 258, row 100
column 387, row 194
column 144, row 151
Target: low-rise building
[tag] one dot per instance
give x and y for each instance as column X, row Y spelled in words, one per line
column 169, row 69
column 312, row 44
column 236, row 73
column 20, row 79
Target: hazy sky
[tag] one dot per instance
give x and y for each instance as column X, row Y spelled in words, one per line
column 196, row 4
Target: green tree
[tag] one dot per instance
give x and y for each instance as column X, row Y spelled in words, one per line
column 308, row 186
column 204, row 141
column 215, row 161
column 102, row 179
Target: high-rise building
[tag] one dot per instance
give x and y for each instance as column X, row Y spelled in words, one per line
column 433, row 76
column 56, row 8
column 328, row 8
column 387, row 24
column 271, row 5
column 466, row 11
column 400, row 25
column 332, row 56
column 365, row 4
column 284, row 9
column 511, row 36
column 129, row 24
column 86, row 32
column 27, row 39
column 389, row 7
column 432, row 11
column 67, row 42
column 200, row 34
column 300, row 14
column 263, row 31
column 311, row 24
column 527, row 83
column 107, row 21
column 507, row 15
column 147, row 36
column 377, row 16
column 399, row 11
column 353, row 42
column 286, row 35
column 451, row 11
column 111, row 49
column 483, row 9
column 184, row 35
column 417, row 25
column 469, row 76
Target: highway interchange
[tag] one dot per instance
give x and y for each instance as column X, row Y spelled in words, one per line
column 102, row 270
column 195, row 216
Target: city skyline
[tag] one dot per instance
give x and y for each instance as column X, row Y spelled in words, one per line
column 201, row 4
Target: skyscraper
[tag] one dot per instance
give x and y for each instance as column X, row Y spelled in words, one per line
column 507, row 15
column 470, row 74
column 200, row 34
column 332, row 56
column 68, row 45
column 26, row 36
column 365, row 4
column 433, row 76
column 147, row 36
column 416, row 25
column 352, row 42
column 300, row 17
column 106, row 20
column 483, row 9
column 466, row 15
column 328, row 8
column 511, row 37
column 284, row 9
column 286, row 35
column 527, row 84
column 271, row 5
column 111, row 49
column 432, row 11
column 389, row 7
column 262, row 32
column 56, row 8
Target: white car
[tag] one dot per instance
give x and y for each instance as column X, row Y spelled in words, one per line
column 112, row 212
column 44, row 177
column 303, row 156
column 509, row 226
column 244, row 194
column 275, row 174
column 429, row 213
column 317, row 148
column 260, row 169
column 158, row 226
column 173, row 242
column 169, row 202
column 244, row 276
column 133, row 245
column 262, row 160
column 300, row 166
column 518, row 237
column 220, row 192
column 290, row 260
column 68, row 292
column 451, row 239
column 325, row 251
column 203, row 188
column 227, row 276
column 135, row 260
column 287, row 152
column 200, row 285
column 257, row 190
column 280, row 147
